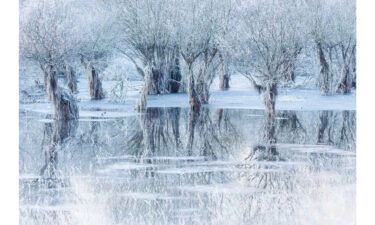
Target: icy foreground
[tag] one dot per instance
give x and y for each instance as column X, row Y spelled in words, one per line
column 138, row 169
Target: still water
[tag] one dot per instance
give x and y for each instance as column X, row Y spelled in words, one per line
column 168, row 166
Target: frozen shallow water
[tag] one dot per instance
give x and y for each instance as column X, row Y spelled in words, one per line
column 166, row 166
column 240, row 96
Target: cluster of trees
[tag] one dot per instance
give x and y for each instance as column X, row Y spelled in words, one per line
column 182, row 45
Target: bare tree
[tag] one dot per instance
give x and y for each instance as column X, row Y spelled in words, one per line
column 270, row 35
column 146, row 39
column 197, row 29
column 95, row 27
column 46, row 38
column 226, row 13
column 332, row 27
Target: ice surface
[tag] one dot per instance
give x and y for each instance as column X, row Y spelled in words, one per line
column 240, row 96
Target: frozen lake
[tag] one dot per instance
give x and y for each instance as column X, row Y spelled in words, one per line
column 167, row 166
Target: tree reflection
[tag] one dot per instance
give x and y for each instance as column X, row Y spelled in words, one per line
column 266, row 149
column 337, row 128
column 169, row 162
column 48, row 191
column 62, row 131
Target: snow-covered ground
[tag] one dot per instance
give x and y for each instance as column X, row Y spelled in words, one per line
column 241, row 96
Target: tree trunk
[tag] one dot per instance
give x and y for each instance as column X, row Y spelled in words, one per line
column 95, row 85
column 269, row 98
column 64, row 104
column 289, row 72
column 203, row 90
column 45, row 73
column 72, row 79
column 324, row 72
column 224, row 76
column 156, row 82
column 354, row 70
column 345, row 85
column 51, row 83
column 142, row 104
column 194, row 101
column 175, row 77
column 224, row 82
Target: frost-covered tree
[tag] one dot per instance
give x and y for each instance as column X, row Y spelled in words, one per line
column 95, row 23
column 269, row 35
column 44, row 32
column 146, row 39
column 197, row 31
column 332, row 28
column 226, row 13
column 46, row 37
column 345, row 32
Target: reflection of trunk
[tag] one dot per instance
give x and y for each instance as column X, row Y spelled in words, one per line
column 94, row 127
column 324, row 71
column 346, row 133
column 50, row 165
column 290, row 126
column 193, row 116
column 149, row 129
column 291, row 121
column 61, row 131
column 208, row 135
column 269, row 134
column 72, row 79
column 323, row 128
column 64, row 104
column 152, row 125
column 220, row 116
column 174, row 115
column 95, row 85
column 344, row 86
column 323, row 118
column 266, row 150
